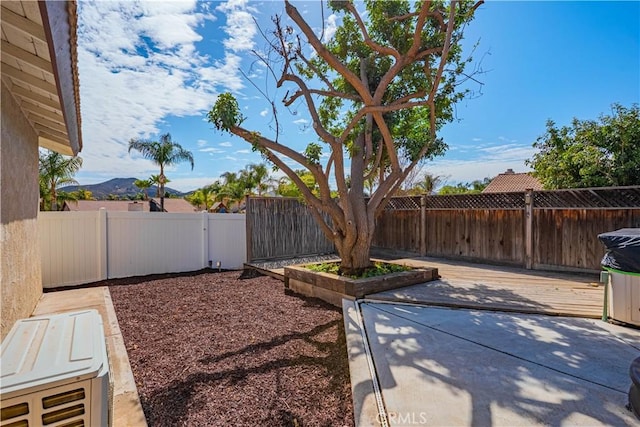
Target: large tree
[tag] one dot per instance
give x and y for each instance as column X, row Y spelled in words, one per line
column 287, row 188
column 590, row 153
column 377, row 92
column 163, row 153
column 55, row 170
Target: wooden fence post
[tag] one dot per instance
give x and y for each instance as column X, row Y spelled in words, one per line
column 528, row 229
column 423, row 225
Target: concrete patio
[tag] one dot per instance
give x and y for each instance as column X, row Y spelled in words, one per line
column 489, row 346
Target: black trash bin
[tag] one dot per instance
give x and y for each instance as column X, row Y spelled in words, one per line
column 622, row 262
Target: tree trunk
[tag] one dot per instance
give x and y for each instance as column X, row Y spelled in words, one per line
column 355, row 259
column 354, row 243
column 161, row 188
column 54, row 198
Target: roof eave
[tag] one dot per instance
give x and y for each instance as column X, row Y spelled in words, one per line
column 60, row 23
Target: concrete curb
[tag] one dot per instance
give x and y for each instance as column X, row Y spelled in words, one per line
column 365, row 408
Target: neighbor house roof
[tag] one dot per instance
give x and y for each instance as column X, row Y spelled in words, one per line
column 175, row 205
column 109, row 205
column 170, row 205
column 511, row 181
column 39, row 67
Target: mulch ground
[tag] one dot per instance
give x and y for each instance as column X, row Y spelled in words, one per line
column 212, row 349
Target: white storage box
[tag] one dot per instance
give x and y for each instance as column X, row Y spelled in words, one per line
column 55, row 371
column 624, row 297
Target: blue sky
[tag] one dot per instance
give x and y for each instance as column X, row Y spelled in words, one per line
column 157, row 67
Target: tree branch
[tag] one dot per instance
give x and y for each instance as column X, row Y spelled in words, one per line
column 324, row 53
column 329, row 93
column 270, row 147
column 365, row 34
column 317, row 124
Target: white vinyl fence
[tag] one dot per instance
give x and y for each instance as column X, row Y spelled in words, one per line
column 85, row 247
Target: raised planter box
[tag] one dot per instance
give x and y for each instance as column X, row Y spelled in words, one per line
column 333, row 288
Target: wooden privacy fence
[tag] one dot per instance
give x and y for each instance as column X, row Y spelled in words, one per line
column 85, row 247
column 280, row 227
column 550, row 230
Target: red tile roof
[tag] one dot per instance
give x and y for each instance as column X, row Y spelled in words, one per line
column 513, row 182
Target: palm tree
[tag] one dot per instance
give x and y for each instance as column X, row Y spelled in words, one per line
column 234, row 188
column 155, row 180
column 56, row 170
column 259, row 178
column 144, row 185
column 196, row 199
column 162, row 153
column 427, row 185
column 202, row 198
column 233, row 192
column 64, row 196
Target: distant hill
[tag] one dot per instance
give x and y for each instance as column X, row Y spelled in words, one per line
column 121, row 187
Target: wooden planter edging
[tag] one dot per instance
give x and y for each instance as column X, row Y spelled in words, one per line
column 332, row 288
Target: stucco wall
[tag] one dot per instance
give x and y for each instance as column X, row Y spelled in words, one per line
column 20, row 269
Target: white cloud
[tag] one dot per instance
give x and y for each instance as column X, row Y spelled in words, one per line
column 223, row 73
column 233, row 159
column 226, row 144
column 138, row 64
column 507, row 152
column 476, row 139
column 243, row 151
column 331, row 25
column 240, row 27
column 201, row 142
column 301, row 121
column 264, row 112
column 211, row 150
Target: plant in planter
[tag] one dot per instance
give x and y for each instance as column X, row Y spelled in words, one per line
column 377, row 92
column 376, row 269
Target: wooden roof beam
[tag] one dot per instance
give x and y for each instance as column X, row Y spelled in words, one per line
column 57, row 126
column 43, row 112
column 54, row 144
column 28, row 79
column 33, row 96
column 20, row 54
column 24, row 25
column 44, row 130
